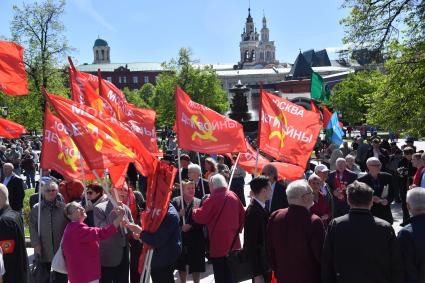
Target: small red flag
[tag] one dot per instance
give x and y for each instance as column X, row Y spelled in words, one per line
column 11, row 130
column 288, row 132
column 13, row 77
column 326, row 116
column 203, row 130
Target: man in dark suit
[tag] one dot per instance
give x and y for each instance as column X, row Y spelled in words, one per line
column 278, row 199
column 382, row 185
column 412, row 237
column 359, row 247
column 15, row 186
column 295, row 237
column 256, row 217
column 338, row 181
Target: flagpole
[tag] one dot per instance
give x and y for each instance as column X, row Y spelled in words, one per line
column 39, row 203
column 84, row 178
column 180, row 181
column 202, row 181
column 256, row 163
column 233, row 170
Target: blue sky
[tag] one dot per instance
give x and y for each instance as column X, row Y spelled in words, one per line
column 153, row 31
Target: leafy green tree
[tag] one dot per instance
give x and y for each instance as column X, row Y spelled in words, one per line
column 202, row 85
column 398, row 103
column 396, row 29
column 39, row 29
column 148, row 93
column 134, row 97
column 352, row 96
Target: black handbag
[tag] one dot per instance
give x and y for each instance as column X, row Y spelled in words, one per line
column 239, row 263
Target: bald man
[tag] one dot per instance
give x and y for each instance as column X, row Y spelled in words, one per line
column 15, row 186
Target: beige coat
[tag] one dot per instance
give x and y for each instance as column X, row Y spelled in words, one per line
column 52, row 226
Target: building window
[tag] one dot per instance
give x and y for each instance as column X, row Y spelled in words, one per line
column 122, row 80
column 109, row 79
column 146, row 79
column 135, row 80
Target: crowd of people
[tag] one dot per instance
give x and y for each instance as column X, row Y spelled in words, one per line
column 332, row 226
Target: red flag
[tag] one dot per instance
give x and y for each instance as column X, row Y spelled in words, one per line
column 203, row 130
column 11, row 130
column 85, row 90
column 286, row 171
column 114, row 97
column 102, row 140
column 326, row 116
column 288, row 132
column 118, row 174
column 59, row 151
column 142, row 123
column 314, row 107
column 157, row 201
column 13, row 78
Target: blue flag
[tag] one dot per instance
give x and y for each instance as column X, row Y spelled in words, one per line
column 337, row 132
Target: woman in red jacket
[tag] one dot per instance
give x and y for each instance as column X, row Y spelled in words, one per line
column 224, row 215
column 80, row 244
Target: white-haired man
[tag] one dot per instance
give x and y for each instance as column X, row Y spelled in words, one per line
column 16, row 187
column 224, row 215
column 295, row 237
column 382, row 185
column 52, row 225
column 412, row 237
column 338, row 181
column 12, row 241
column 195, row 173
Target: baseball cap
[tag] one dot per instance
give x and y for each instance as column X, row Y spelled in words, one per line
column 321, row 168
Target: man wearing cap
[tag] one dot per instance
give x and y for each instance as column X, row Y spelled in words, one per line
column 338, row 181
column 409, row 143
column 383, row 189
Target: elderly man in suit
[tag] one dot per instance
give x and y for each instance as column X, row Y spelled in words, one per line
column 412, row 237
column 256, row 217
column 114, row 251
column 295, row 237
column 382, row 185
column 15, row 186
column 278, row 199
column 360, row 247
column 338, row 181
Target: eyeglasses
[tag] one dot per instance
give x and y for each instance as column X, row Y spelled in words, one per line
column 89, row 193
column 50, row 191
column 375, row 165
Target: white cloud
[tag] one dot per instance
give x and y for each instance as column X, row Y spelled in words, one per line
column 88, row 7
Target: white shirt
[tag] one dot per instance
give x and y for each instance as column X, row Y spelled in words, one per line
column 2, row 270
column 263, row 205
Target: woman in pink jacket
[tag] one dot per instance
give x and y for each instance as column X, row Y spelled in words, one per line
column 80, row 244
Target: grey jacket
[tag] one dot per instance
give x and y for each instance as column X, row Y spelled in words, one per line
column 52, row 226
column 111, row 249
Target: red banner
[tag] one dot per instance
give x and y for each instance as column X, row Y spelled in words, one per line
column 203, row 130
column 326, row 116
column 11, row 130
column 157, row 200
column 286, row 171
column 59, row 151
column 287, row 132
column 13, row 77
column 114, row 97
column 102, row 140
column 142, row 123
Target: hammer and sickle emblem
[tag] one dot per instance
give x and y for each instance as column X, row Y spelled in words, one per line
column 69, row 160
column 282, row 133
column 206, row 134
